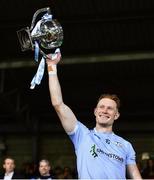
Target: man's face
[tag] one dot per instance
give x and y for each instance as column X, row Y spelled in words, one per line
column 9, row 165
column 106, row 112
column 44, row 168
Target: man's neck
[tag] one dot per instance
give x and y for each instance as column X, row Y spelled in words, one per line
column 45, row 174
column 7, row 173
column 103, row 129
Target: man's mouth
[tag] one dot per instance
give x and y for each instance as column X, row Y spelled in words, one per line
column 103, row 116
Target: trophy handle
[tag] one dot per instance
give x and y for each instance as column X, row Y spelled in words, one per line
column 47, row 9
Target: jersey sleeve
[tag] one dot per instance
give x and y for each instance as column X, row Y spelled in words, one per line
column 131, row 155
column 77, row 135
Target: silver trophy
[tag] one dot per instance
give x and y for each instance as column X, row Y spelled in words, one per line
column 46, row 32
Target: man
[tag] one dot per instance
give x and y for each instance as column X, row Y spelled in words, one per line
column 9, row 168
column 100, row 153
column 44, row 170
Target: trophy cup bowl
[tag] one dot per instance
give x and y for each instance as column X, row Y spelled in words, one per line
column 52, row 34
column 47, row 32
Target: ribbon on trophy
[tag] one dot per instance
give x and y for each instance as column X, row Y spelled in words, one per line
column 40, row 71
column 47, row 33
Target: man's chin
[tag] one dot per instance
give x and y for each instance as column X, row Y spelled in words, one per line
column 104, row 124
column 44, row 174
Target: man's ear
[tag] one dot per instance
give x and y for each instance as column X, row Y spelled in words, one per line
column 117, row 115
column 95, row 110
column 4, row 166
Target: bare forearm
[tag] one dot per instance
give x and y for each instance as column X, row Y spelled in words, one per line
column 54, row 86
column 55, row 90
column 134, row 172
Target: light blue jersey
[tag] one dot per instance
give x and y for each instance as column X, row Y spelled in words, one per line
column 101, row 155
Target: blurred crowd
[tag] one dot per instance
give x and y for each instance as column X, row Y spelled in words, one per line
column 146, row 168
column 44, row 170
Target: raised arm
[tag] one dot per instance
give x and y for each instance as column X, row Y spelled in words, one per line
column 65, row 114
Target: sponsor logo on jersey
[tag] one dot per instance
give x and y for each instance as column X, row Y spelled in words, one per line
column 96, row 151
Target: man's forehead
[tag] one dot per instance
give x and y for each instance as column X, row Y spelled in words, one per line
column 9, row 160
column 107, row 102
column 43, row 163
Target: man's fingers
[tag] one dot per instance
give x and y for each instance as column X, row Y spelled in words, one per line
column 53, row 58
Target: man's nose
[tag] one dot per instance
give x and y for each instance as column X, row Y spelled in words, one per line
column 104, row 110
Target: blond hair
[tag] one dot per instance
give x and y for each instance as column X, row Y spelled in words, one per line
column 114, row 97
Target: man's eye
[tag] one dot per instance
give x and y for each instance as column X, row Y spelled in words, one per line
column 110, row 108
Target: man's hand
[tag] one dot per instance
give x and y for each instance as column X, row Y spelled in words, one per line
column 53, row 59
